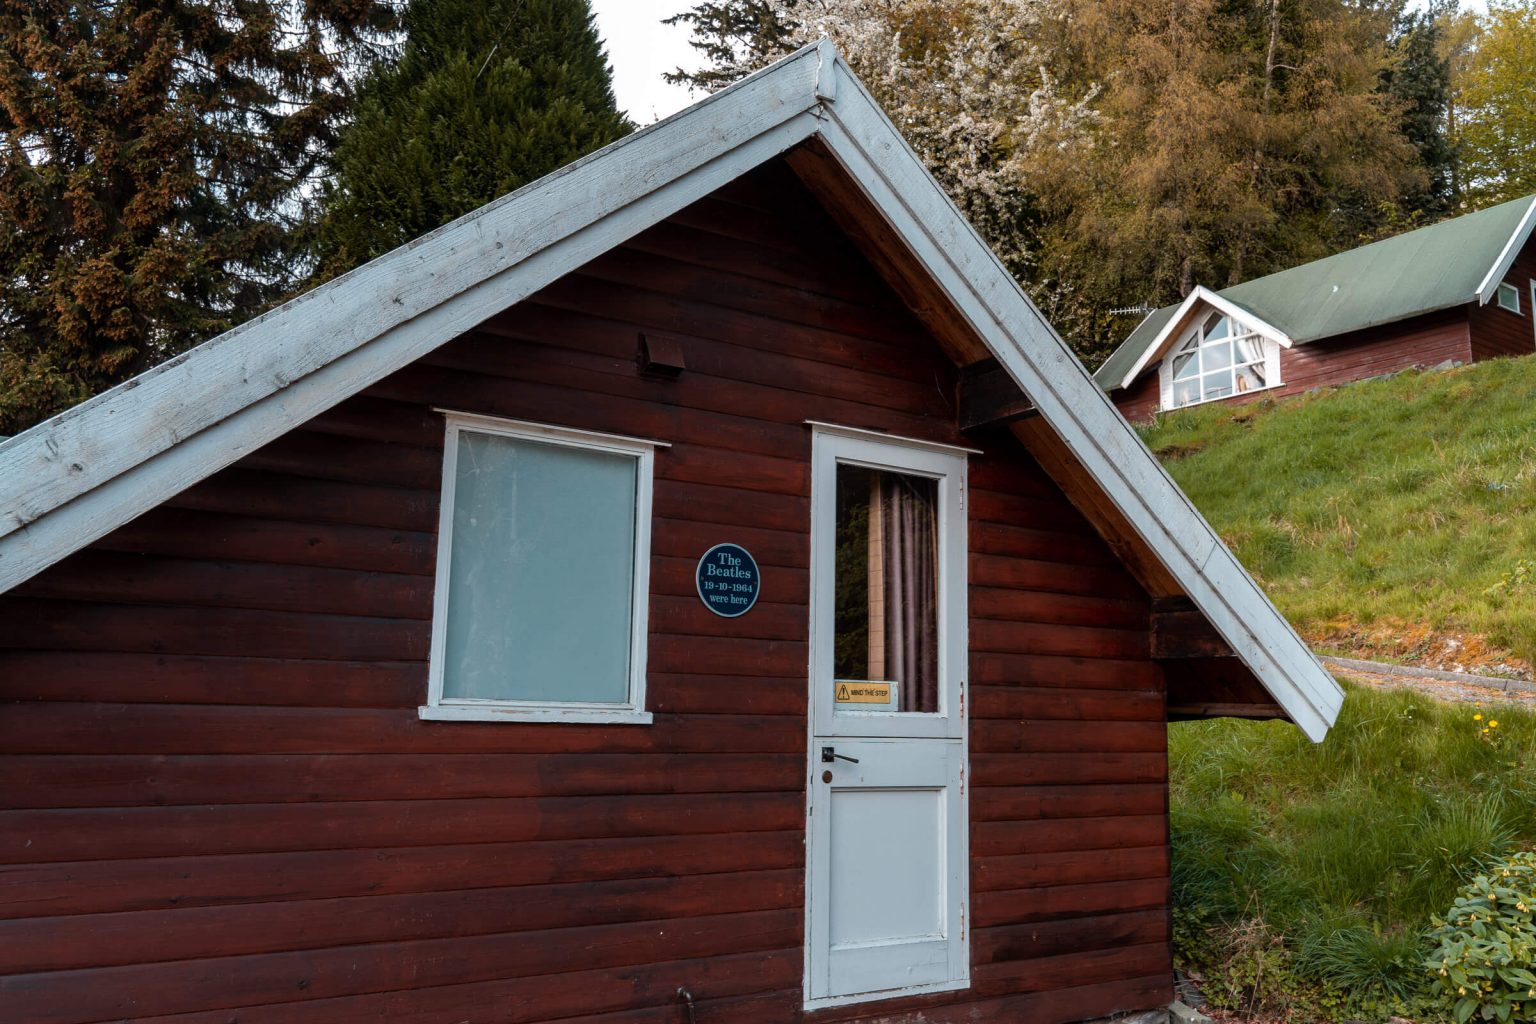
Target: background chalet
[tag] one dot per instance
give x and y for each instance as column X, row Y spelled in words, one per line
column 1459, row 291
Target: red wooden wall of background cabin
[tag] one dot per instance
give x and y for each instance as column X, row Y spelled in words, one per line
column 1423, row 341
column 1499, row 332
column 221, row 806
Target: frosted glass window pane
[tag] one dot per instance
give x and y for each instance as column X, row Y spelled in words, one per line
column 542, row 580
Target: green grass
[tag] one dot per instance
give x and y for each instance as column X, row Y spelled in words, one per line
column 1389, row 507
column 1306, row 875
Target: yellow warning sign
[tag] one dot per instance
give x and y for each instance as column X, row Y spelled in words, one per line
column 862, row 692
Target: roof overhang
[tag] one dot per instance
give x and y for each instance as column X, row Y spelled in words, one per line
column 1522, row 234
column 1193, row 306
column 72, row 479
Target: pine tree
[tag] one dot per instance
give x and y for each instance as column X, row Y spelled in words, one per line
column 1418, row 78
column 1235, row 138
column 154, row 161
column 487, row 95
column 735, row 37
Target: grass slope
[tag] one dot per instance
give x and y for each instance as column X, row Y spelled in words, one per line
column 1384, row 516
column 1305, row 875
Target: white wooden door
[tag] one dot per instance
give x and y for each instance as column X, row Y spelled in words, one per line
column 887, row 865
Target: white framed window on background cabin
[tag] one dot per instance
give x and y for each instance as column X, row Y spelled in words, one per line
column 1218, row 358
column 542, row 574
column 1509, row 297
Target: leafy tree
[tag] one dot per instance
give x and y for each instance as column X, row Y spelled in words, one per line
column 1496, row 105
column 1234, row 138
column 487, row 95
column 154, row 160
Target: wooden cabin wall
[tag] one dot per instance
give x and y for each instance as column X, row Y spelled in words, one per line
column 1497, row 331
column 1423, row 341
column 220, row 805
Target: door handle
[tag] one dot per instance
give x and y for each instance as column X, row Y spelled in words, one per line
column 830, row 754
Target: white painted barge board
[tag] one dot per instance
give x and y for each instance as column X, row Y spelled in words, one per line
column 346, row 334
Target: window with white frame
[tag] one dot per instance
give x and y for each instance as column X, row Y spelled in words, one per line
column 542, row 574
column 1509, row 297
column 1218, row 358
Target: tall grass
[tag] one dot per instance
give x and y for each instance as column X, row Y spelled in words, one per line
column 1406, row 500
column 1320, row 866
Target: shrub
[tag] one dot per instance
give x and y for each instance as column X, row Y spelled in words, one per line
column 1486, row 945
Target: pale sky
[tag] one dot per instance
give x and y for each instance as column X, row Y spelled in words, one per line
column 640, row 49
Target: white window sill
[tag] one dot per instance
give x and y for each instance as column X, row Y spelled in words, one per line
column 1255, row 393
column 579, row 716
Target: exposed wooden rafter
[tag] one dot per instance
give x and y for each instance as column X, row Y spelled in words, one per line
column 985, row 396
column 1180, row 630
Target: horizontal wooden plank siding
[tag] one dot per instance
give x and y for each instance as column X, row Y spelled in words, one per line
column 218, row 803
column 1422, row 341
column 1499, row 332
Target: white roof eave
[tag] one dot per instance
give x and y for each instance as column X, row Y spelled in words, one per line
column 1506, row 259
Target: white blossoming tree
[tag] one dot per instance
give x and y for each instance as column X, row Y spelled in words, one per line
column 963, row 80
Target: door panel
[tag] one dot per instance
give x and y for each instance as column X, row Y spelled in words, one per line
column 877, row 897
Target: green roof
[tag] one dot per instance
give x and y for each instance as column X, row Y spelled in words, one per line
column 1432, row 268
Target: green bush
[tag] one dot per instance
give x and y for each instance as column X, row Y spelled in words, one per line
column 1486, row 945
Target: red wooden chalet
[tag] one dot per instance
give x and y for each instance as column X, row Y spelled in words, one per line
column 697, row 588
column 1460, row 291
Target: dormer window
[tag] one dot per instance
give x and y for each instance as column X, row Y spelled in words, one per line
column 1219, row 358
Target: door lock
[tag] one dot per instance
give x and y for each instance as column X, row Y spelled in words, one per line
column 830, row 754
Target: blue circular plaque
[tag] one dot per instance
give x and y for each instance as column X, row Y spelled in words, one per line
column 728, row 580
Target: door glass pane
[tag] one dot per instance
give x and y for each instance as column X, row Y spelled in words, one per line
column 886, row 583
column 542, row 576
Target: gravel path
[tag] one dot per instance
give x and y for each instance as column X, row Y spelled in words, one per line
column 1440, row 689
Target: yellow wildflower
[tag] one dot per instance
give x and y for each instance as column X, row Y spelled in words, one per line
column 1493, row 724
column 1477, row 718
